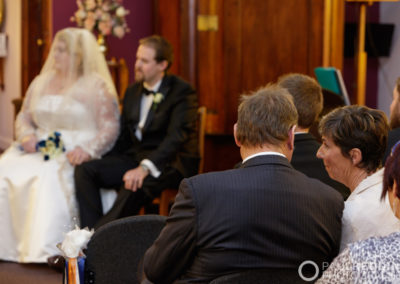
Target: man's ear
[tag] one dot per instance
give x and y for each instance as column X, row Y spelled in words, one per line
column 395, row 200
column 395, row 188
column 290, row 142
column 163, row 65
column 355, row 156
column 235, row 135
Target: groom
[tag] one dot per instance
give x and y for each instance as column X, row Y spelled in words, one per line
column 157, row 145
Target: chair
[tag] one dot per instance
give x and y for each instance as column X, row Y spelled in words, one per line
column 17, row 106
column 115, row 251
column 167, row 196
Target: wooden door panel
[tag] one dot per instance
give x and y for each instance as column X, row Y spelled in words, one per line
column 233, row 63
column 256, row 42
column 36, row 38
column 210, row 66
column 167, row 22
column 275, row 40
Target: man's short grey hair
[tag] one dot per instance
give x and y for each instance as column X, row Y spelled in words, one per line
column 265, row 117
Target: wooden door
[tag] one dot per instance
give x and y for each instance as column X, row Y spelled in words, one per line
column 252, row 44
column 256, row 42
column 36, row 38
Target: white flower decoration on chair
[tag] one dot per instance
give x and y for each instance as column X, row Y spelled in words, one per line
column 75, row 241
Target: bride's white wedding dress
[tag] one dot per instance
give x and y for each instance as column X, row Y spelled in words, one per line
column 37, row 197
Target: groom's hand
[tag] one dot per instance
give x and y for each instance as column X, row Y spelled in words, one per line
column 134, row 178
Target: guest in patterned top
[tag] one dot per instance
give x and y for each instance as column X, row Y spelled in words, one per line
column 377, row 259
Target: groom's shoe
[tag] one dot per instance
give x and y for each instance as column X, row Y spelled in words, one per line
column 57, row 262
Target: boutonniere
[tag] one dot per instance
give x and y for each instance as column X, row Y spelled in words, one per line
column 52, row 147
column 158, row 97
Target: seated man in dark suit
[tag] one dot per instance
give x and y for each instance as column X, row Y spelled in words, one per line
column 157, row 145
column 308, row 99
column 263, row 215
column 394, row 133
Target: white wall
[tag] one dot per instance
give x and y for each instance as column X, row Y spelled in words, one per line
column 12, row 71
column 389, row 69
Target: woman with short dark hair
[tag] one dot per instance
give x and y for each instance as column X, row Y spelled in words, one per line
column 353, row 143
column 377, row 259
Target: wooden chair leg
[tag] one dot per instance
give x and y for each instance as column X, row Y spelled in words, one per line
column 167, row 198
column 141, row 211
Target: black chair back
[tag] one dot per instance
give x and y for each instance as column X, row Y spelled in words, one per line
column 115, row 251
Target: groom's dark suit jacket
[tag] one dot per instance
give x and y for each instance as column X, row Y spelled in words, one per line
column 263, row 215
column 169, row 134
column 393, row 137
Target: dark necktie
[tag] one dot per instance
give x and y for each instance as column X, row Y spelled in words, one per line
column 147, row 92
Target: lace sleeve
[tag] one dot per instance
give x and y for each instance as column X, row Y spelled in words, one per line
column 105, row 107
column 24, row 124
column 340, row 270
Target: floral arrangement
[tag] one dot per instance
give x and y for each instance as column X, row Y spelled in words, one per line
column 106, row 17
column 52, row 146
column 158, row 97
column 72, row 247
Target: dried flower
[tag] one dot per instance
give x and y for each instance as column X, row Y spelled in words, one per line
column 121, row 12
column 119, row 31
column 102, row 16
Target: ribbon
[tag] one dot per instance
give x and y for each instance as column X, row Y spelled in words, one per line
column 74, row 273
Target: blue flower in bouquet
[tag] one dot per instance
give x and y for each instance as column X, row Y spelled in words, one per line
column 52, row 147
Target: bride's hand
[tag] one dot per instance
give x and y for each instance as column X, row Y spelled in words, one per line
column 77, row 156
column 28, row 143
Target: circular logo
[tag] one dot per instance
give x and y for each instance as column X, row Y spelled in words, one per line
column 300, row 270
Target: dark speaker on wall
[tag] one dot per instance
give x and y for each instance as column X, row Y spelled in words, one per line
column 378, row 39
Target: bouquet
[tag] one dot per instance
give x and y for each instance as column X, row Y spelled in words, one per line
column 103, row 16
column 52, row 147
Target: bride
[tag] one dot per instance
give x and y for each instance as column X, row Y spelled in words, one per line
column 72, row 99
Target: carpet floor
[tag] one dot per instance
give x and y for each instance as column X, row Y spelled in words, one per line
column 16, row 273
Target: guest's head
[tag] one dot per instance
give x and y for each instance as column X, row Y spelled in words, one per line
column 391, row 179
column 307, row 97
column 395, row 107
column 153, row 58
column 354, row 141
column 266, row 118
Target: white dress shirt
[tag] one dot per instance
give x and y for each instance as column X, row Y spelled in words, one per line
column 145, row 105
column 263, row 154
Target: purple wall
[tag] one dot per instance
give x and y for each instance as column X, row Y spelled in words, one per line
column 140, row 23
column 349, row 69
